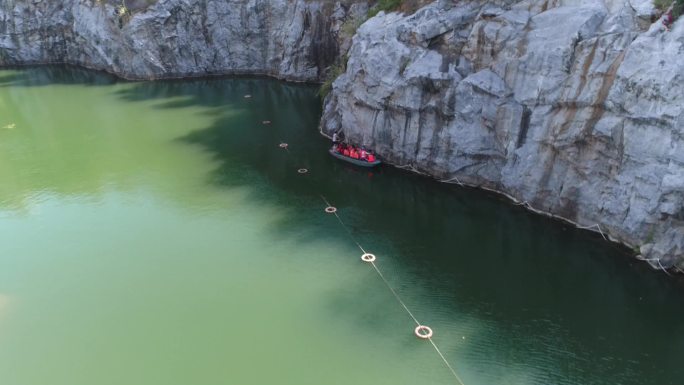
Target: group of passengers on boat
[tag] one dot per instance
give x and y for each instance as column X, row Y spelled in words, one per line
column 359, row 153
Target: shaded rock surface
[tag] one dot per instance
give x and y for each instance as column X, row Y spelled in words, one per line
column 290, row 39
column 574, row 107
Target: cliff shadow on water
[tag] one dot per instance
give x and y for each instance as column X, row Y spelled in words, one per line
column 39, row 76
column 535, row 281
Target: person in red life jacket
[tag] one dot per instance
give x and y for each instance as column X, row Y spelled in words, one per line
column 354, row 153
column 363, row 154
column 370, row 157
column 345, row 151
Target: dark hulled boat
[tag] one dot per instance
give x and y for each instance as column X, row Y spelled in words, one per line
column 358, row 162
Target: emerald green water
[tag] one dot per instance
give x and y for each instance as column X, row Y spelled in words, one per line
column 155, row 234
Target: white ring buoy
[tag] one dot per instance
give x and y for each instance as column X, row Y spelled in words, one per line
column 302, row 171
column 283, row 145
column 266, row 122
column 331, row 210
column 423, row 332
column 248, row 96
column 368, row 257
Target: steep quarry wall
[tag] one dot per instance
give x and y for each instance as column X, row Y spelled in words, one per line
column 289, row 39
column 574, row 107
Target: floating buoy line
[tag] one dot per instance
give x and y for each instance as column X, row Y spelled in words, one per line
column 421, row 331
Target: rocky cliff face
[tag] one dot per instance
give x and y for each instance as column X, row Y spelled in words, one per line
column 571, row 107
column 290, row 39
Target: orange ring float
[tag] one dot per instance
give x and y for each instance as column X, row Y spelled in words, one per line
column 423, row 332
column 368, row 257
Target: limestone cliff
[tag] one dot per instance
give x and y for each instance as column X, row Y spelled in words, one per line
column 290, row 39
column 572, row 107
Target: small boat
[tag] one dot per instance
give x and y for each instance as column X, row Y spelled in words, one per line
column 358, row 162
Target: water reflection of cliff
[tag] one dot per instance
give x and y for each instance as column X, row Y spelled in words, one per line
column 80, row 133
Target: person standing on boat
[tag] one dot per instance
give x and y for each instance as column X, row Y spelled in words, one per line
column 337, row 139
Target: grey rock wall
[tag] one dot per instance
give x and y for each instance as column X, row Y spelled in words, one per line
column 573, row 107
column 290, row 39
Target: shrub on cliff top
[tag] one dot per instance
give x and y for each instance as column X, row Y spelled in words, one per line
column 663, row 5
column 131, row 5
column 384, row 5
column 406, row 6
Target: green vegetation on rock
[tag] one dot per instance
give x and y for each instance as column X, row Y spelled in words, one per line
column 406, row 6
column 333, row 73
column 677, row 6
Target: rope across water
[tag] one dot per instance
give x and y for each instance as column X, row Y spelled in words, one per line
column 344, row 226
column 330, row 209
column 396, row 295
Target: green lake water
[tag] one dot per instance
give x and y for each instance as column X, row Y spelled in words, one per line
column 155, row 234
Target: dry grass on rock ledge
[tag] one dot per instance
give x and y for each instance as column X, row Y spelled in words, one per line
column 131, row 5
column 404, row 6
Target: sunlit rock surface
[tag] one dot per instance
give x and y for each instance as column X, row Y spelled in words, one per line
column 573, row 107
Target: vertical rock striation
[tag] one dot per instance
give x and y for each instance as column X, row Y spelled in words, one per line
column 290, row 39
column 574, row 107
